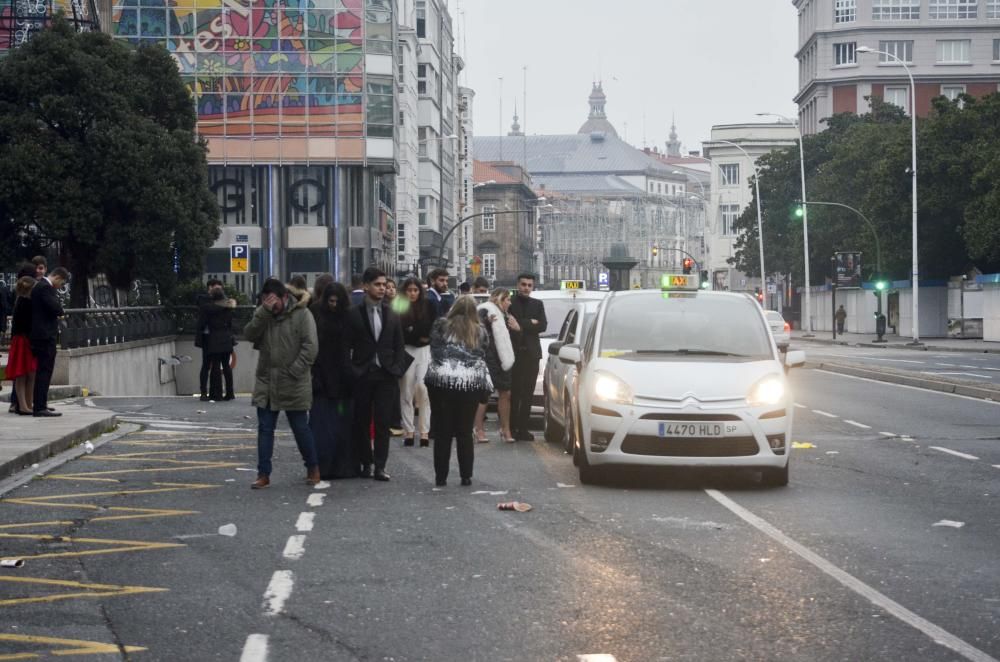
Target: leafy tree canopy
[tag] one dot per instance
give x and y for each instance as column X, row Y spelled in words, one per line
column 98, row 151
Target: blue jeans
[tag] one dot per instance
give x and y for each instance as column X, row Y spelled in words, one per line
column 299, row 421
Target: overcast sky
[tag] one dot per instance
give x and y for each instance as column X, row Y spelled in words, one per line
column 707, row 61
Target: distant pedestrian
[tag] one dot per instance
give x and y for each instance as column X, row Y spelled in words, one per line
column 841, row 317
column 319, row 287
column 26, row 269
column 378, row 361
column 332, row 382
column 480, row 286
column 417, row 320
column 438, row 293
column 45, row 313
column 464, row 288
column 299, row 282
column 217, row 342
column 284, row 334
column 499, row 360
column 526, row 320
column 357, row 290
column 21, row 363
column 457, row 381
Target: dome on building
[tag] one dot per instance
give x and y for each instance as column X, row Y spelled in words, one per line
column 597, row 121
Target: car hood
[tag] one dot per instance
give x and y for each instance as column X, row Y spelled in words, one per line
column 678, row 380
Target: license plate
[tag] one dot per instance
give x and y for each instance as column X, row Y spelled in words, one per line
column 694, row 430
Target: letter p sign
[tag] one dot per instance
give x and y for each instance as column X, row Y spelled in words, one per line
column 239, row 258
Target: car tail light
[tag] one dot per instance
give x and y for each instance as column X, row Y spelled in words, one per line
column 788, row 327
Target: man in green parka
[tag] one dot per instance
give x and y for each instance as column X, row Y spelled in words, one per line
column 284, row 332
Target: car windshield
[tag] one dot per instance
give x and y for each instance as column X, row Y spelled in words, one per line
column 774, row 316
column 684, row 326
column 556, row 311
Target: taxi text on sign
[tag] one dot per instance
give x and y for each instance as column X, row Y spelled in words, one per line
column 239, row 258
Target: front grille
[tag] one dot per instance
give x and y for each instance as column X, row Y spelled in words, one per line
column 638, row 444
column 690, row 417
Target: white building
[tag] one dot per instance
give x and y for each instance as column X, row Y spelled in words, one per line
column 951, row 47
column 731, row 192
column 407, row 192
column 465, row 236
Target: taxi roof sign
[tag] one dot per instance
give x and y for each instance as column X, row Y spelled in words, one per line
column 680, row 282
column 572, row 285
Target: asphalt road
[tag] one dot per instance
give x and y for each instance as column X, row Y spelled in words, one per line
column 962, row 366
column 882, row 547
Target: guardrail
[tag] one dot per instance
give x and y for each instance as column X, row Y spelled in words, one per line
column 89, row 327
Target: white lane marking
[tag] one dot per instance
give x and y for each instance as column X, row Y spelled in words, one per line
column 278, row 592
column 937, row 634
column 295, row 548
column 800, row 406
column 305, row 522
column 963, row 374
column 894, row 360
column 949, row 522
column 857, row 425
column 964, row 456
column 315, row 500
column 824, row 413
column 888, row 434
column 322, row 485
column 912, row 388
column 255, row 649
column 596, row 657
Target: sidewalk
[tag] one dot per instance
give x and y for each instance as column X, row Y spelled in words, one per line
column 25, row 440
column 896, row 342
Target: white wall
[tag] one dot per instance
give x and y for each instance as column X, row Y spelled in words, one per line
column 991, row 311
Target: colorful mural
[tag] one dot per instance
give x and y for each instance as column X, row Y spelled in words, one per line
column 270, row 67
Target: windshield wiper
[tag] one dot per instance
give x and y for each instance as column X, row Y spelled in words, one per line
column 689, row 352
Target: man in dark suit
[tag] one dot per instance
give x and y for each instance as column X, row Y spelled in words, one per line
column 526, row 320
column 378, row 360
column 45, row 313
column 438, row 293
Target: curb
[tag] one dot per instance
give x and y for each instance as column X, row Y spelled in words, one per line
column 11, row 467
column 889, row 345
column 966, row 390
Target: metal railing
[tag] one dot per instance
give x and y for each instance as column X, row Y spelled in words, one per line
column 91, row 327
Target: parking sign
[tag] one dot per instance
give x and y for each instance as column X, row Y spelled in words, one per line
column 239, row 258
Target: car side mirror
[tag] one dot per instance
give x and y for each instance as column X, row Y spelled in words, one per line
column 570, row 354
column 795, row 359
column 555, row 347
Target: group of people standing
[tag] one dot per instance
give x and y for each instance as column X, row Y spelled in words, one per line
column 34, row 331
column 348, row 367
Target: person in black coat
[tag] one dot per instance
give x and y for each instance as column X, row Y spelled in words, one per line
column 333, row 380
column 526, row 320
column 217, row 337
column 45, row 313
column 378, row 360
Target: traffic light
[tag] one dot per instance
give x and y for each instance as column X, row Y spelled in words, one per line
column 760, row 295
column 800, row 211
column 704, row 280
column 881, row 285
column 688, row 265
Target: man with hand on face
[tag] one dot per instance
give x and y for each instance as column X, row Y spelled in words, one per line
column 284, row 332
column 438, row 292
column 378, row 360
column 526, row 320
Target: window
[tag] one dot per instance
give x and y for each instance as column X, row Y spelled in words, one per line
column 727, row 219
column 401, row 238
column 489, row 218
column 422, row 210
column 993, row 10
column 898, row 96
column 996, row 50
column 895, row 10
column 421, row 79
column 953, row 51
column 901, row 49
column 845, row 53
column 422, row 141
column 845, row 11
column 952, row 91
column 490, row 266
column 421, row 19
column 730, row 173
column 952, row 8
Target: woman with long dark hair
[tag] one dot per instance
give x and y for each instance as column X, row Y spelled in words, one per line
column 417, row 318
column 457, row 381
column 332, row 378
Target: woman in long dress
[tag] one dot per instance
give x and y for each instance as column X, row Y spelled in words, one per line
column 332, row 410
column 21, row 363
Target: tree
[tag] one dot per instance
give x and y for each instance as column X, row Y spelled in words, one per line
column 98, row 151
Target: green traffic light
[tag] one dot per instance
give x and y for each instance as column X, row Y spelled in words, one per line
column 799, row 212
column 881, row 285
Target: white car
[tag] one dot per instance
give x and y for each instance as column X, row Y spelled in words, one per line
column 780, row 329
column 681, row 377
column 559, row 377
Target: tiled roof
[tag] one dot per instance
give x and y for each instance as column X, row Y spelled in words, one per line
column 484, row 172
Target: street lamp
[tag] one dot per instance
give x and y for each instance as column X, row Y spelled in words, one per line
column 807, row 312
column 760, row 232
column 913, row 174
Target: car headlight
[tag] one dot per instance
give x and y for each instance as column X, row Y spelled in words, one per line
column 768, row 391
column 609, row 388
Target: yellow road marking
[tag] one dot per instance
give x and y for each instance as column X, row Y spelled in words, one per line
column 62, row 647
column 189, row 451
column 86, row 591
column 188, row 465
column 114, row 546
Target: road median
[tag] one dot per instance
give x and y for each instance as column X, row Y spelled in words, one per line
column 956, row 387
column 26, row 440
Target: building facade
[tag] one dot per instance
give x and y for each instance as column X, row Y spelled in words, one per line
column 731, row 193
column 504, row 243
column 952, row 47
column 407, row 191
column 464, row 245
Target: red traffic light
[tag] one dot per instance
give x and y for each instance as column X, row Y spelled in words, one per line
column 688, row 265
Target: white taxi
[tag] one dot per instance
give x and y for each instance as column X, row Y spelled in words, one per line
column 681, row 377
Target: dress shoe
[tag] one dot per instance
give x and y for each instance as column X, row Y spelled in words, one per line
column 204, row 398
column 408, row 441
column 524, row 436
column 261, row 482
column 366, row 471
column 229, row 397
column 312, row 477
column 425, row 443
column 46, row 414
column 466, row 482
column 381, row 475
column 440, row 482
